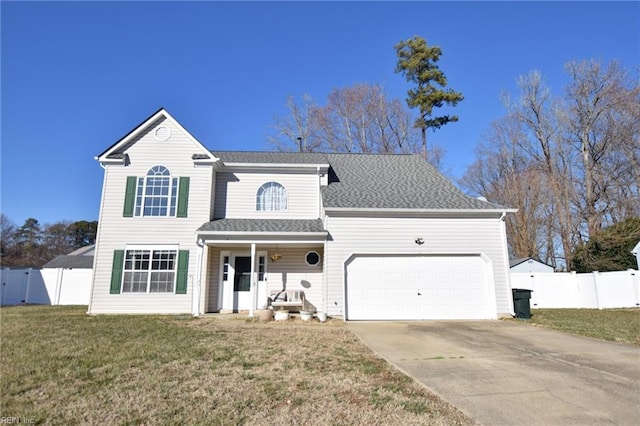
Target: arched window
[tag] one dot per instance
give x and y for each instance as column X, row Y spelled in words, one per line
column 271, row 197
column 157, row 193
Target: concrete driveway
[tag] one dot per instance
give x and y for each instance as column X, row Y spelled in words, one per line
column 506, row 373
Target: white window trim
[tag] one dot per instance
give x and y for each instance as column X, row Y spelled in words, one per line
column 150, row 248
column 171, row 202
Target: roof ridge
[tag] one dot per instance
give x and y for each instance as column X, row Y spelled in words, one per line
column 392, row 154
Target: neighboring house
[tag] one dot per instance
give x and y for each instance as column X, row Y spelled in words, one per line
column 81, row 258
column 529, row 264
column 365, row 236
column 636, row 252
column 68, row 277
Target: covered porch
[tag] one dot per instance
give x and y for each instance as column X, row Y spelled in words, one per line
column 244, row 261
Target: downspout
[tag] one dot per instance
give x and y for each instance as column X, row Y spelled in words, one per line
column 325, row 268
column 319, row 192
column 195, row 295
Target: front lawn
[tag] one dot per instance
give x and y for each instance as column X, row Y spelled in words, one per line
column 61, row 366
column 616, row 325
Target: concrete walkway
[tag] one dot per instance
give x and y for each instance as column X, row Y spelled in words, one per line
column 506, row 373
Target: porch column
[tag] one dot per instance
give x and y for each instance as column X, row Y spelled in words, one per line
column 325, row 283
column 253, row 283
column 195, row 291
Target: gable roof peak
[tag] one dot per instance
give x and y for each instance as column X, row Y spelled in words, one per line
column 109, row 153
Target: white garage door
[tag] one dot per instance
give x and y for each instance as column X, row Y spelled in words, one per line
column 418, row 287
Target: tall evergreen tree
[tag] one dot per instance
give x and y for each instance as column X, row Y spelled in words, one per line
column 28, row 241
column 417, row 61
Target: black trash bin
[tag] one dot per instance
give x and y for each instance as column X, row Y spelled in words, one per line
column 521, row 302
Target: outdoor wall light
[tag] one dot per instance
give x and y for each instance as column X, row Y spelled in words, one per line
column 419, row 241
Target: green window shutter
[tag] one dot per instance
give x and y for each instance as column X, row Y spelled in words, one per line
column 130, row 196
column 116, row 271
column 183, row 197
column 183, row 272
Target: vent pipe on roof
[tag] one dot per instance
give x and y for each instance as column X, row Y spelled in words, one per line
column 300, row 144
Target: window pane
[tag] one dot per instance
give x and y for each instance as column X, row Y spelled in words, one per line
column 136, row 265
column 139, row 192
column 174, row 195
column 163, row 260
column 271, row 197
column 161, row 282
column 157, row 192
column 261, row 268
column 135, row 282
column 312, row 258
column 225, row 274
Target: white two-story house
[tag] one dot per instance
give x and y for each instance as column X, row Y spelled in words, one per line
column 184, row 229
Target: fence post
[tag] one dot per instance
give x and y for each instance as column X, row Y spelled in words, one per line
column 26, row 295
column 635, row 281
column 574, row 277
column 59, row 279
column 597, row 288
column 3, row 291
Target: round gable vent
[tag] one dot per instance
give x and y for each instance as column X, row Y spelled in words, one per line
column 162, row 133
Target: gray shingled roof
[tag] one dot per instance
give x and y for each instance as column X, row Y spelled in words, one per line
column 516, row 262
column 81, row 258
column 263, row 225
column 391, row 182
column 84, row 251
column 68, row 261
column 271, row 157
column 374, row 181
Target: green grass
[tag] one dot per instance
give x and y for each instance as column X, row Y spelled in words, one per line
column 616, row 325
column 60, row 366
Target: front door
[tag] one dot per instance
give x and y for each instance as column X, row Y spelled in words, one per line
column 242, row 283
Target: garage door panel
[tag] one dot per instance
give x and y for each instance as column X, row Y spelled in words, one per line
column 418, row 287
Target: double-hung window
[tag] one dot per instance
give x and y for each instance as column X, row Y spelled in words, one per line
column 271, row 197
column 149, row 271
column 157, row 194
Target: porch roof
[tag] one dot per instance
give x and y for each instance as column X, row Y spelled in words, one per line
column 311, row 227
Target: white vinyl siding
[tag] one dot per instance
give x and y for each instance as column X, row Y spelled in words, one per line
column 235, row 195
column 397, row 235
column 115, row 232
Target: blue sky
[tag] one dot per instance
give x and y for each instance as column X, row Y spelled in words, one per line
column 77, row 76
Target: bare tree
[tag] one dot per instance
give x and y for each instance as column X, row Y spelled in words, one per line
column 582, row 149
column 297, row 130
column 7, row 231
column 537, row 112
column 599, row 125
column 355, row 119
column 503, row 174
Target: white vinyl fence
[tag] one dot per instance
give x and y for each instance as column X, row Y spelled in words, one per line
column 51, row 286
column 597, row 290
